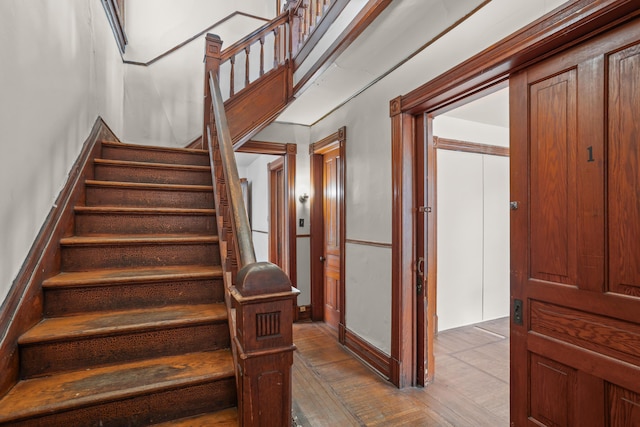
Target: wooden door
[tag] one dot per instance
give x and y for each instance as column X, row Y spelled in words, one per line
column 277, row 214
column 575, row 241
column 426, row 318
column 331, row 214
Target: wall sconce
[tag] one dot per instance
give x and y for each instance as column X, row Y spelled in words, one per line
column 303, row 197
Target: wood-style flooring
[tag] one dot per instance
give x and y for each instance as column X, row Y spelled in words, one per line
column 333, row 388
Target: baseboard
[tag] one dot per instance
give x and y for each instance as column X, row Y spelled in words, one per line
column 196, row 143
column 304, row 313
column 22, row 308
column 368, row 353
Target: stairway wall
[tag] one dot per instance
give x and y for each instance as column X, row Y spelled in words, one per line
column 60, row 70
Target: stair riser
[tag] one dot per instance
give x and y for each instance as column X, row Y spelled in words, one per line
column 39, row 359
column 158, row 407
column 81, row 258
column 62, row 302
column 109, row 196
column 153, row 156
column 124, row 223
column 151, row 175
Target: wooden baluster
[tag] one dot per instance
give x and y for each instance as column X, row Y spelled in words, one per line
column 294, row 29
column 247, row 50
column 232, row 79
column 212, row 58
column 307, row 19
column 261, row 56
column 276, row 47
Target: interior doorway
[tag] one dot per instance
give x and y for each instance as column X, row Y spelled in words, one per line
column 256, row 157
column 277, row 215
column 462, row 227
column 471, row 145
column 327, row 219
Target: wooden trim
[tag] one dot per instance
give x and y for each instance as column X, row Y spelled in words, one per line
column 368, row 353
column 194, row 37
column 22, row 307
column 316, row 150
column 325, row 22
column 303, row 313
column 116, row 20
column 469, row 147
column 275, row 167
column 261, row 147
column 559, row 29
column 196, row 143
column 402, row 252
column 316, row 244
column 369, row 243
column 290, row 211
column 367, row 15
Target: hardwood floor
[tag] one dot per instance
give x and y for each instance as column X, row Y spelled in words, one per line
column 333, row 388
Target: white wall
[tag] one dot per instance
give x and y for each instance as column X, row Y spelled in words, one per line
column 154, row 26
column 368, row 175
column 163, row 102
column 60, row 70
column 473, row 238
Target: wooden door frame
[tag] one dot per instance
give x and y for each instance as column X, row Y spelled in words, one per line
column 560, row 29
column 316, row 151
column 288, row 153
column 274, row 167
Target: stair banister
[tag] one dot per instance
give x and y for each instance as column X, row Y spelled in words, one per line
column 259, row 295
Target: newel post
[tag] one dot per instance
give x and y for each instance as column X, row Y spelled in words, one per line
column 212, row 58
column 264, row 338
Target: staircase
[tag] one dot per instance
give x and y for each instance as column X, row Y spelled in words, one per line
column 135, row 328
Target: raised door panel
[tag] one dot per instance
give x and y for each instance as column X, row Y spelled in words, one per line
column 331, row 183
column 576, row 238
column 552, row 228
column 624, row 171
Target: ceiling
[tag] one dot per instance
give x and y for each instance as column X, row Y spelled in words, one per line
column 376, row 52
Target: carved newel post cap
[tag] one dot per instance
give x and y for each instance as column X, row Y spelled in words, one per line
column 262, row 278
column 211, row 36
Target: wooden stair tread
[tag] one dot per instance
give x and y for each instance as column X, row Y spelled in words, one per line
column 108, row 323
column 151, row 165
column 111, row 239
column 83, row 388
column 148, row 185
column 224, row 418
column 155, row 148
column 133, row 275
column 143, row 210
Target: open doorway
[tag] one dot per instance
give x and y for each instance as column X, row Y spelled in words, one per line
column 462, row 227
column 471, row 145
column 257, row 161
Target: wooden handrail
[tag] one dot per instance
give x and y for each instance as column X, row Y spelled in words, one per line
column 255, row 36
column 309, row 15
column 239, row 219
column 258, row 295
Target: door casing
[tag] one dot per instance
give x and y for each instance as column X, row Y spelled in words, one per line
column 559, row 29
column 316, row 151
